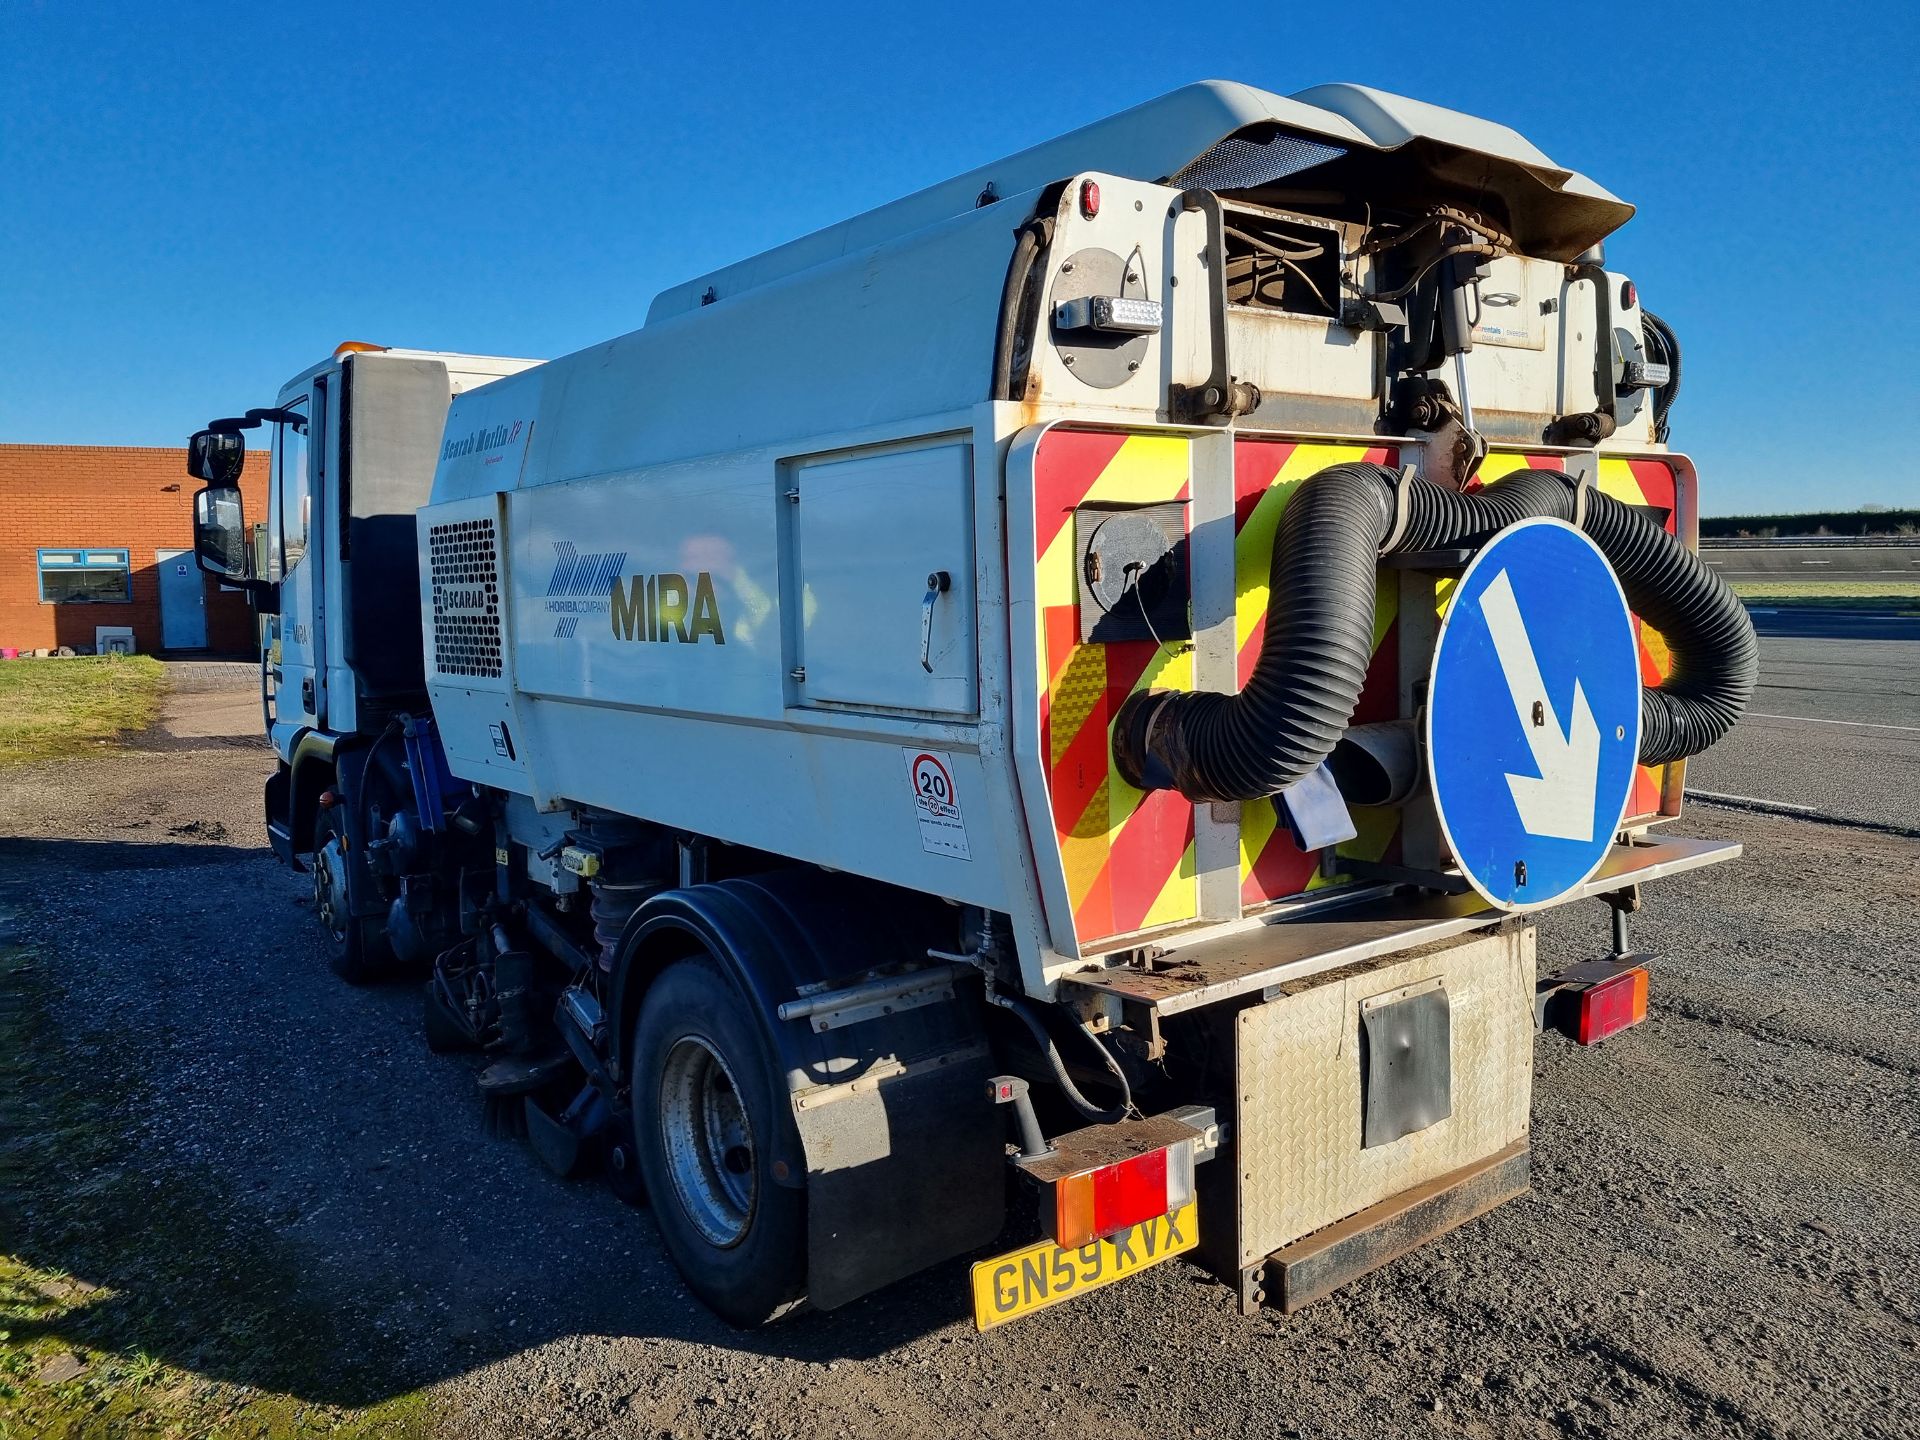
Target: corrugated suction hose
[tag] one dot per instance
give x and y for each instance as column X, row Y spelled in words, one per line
column 1319, row 631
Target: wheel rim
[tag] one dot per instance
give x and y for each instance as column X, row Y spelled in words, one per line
column 708, row 1141
column 329, row 891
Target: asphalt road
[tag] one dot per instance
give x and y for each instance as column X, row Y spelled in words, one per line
column 1835, row 560
column 1722, row 1239
column 1835, row 723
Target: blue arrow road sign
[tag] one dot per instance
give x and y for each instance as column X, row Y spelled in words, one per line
column 1533, row 714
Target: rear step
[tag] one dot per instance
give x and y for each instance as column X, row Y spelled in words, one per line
column 1322, row 1262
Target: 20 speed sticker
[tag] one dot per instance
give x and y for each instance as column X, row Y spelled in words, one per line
column 936, row 803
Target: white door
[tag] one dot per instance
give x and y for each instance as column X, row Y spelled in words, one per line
column 295, row 537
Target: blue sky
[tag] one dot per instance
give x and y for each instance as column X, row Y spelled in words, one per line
column 197, row 201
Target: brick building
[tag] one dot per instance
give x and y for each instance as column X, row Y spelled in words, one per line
column 96, row 536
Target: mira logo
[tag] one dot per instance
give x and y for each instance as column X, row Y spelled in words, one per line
column 661, row 607
column 665, row 607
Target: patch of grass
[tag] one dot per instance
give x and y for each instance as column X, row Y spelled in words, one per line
column 56, row 709
column 1900, row 597
column 136, row 1307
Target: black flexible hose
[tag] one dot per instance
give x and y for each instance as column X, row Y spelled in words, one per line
column 1016, row 303
column 1709, row 636
column 1319, row 631
column 1037, row 1028
column 1664, row 346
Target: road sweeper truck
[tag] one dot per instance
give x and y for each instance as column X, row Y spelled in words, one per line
column 1058, row 697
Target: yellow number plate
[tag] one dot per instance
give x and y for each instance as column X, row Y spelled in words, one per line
column 1044, row 1274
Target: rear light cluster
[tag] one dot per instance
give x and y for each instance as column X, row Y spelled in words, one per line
column 1097, row 1203
column 1591, row 1001
column 1612, row 1005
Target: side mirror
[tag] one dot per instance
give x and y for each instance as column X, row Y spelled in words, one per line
column 220, row 533
column 217, row 457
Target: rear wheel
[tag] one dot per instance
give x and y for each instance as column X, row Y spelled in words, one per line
column 706, row 1114
column 356, row 949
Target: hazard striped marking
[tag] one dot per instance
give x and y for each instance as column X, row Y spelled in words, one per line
column 1128, row 857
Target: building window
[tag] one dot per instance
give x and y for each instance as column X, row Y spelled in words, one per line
column 85, row 577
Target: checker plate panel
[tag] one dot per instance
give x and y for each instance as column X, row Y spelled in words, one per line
column 1298, row 1131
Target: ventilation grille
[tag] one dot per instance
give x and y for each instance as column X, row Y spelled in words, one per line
column 1246, row 162
column 466, row 599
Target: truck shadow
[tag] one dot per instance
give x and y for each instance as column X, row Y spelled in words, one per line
column 213, row 1151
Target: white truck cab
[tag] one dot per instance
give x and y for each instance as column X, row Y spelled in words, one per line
column 354, row 442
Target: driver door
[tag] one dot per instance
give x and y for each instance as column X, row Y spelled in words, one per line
column 296, row 524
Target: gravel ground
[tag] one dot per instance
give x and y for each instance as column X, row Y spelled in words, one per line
column 1723, row 1236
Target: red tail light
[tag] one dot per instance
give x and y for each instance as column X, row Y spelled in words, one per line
column 1104, row 1201
column 1612, row 1005
column 1589, row 1001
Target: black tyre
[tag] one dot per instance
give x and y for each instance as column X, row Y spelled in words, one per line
column 706, row 1112
column 356, row 948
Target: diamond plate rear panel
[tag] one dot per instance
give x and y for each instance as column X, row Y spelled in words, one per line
column 1298, row 1131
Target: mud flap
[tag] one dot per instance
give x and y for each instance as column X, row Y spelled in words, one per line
column 279, row 807
column 904, row 1170
column 572, row 1142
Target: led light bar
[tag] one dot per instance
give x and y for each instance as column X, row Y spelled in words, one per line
column 1643, row 375
column 1113, row 314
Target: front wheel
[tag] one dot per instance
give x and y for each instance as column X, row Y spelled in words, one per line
column 356, row 948
column 706, row 1111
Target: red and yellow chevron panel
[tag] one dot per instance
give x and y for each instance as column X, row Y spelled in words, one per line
column 1652, row 486
column 1128, row 856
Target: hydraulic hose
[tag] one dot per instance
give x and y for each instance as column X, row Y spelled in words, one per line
column 1319, row 631
column 1715, row 654
column 1664, row 346
column 1042, row 1038
column 1017, row 304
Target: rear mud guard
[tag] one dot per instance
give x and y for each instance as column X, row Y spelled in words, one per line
column 894, row 1139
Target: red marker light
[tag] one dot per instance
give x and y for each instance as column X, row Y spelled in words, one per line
column 1089, row 198
column 1127, row 1193
column 1629, row 296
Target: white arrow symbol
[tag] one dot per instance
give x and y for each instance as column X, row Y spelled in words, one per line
column 1559, row 801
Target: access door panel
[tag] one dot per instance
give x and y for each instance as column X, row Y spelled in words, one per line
column 883, row 564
